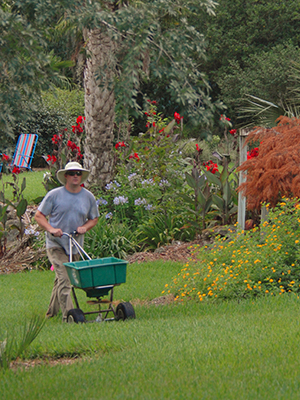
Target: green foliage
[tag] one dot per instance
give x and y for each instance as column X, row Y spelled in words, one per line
column 162, row 230
column 157, row 191
column 156, row 40
column 18, row 204
column 25, row 67
column 56, row 112
column 108, row 239
column 267, row 75
column 69, row 102
column 253, row 29
column 250, row 264
column 225, row 199
column 201, row 200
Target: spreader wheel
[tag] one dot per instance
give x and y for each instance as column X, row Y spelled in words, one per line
column 125, row 311
column 75, row 315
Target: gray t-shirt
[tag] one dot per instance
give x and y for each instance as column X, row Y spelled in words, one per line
column 67, row 211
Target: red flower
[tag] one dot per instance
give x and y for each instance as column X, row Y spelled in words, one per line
column 253, row 153
column 198, row 148
column 161, row 130
column 73, row 147
column 16, row 170
column 52, row 158
column 120, row 144
column 55, row 139
column 77, row 129
column 224, row 118
column 5, row 157
column 232, row 131
column 153, row 124
column 210, row 166
column 177, row 117
column 79, row 120
column 134, row 156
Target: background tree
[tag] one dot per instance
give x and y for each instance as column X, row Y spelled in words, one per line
column 246, row 39
column 26, row 67
column 130, row 44
column 275, row 172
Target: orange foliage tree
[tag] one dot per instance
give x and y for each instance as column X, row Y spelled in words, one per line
column 275, row 172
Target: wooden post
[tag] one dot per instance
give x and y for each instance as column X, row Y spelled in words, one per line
column 264, row 214
column 242, row 178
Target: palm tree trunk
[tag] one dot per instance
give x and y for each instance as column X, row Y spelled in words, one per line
column 99, row 106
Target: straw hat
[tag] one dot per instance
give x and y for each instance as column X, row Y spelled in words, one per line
column 72, row 166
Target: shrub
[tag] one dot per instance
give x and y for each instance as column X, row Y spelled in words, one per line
column 259, row 262
column 275, row 172
column 57, row 111
column 109, row 239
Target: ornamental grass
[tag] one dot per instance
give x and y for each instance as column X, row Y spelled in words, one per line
column 262, row 262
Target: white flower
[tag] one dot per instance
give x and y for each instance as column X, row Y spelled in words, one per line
column 101, row 201
column 148, row 182
column 164, row 182
column 120, row 200
column 140, row 202
column 131, row 176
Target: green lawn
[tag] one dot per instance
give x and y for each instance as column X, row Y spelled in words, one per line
column 246, row 350
column 34, row 187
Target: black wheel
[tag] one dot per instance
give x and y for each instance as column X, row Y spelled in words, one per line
column 124, row 311
column 75, row 315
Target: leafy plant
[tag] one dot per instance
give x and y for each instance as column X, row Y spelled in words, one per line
column 64, row 150
column 162, row 229
column 259, row 262
column 18, row 204
column 274, row 173
column 224, row 199
column 109, row 239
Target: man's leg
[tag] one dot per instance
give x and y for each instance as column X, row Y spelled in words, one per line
column 60, row 297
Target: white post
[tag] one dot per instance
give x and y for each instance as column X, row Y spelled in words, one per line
column 242, row 178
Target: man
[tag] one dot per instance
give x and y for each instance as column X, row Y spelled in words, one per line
column 70, row 208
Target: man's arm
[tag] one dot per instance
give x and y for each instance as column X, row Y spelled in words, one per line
column 87, row 226
column 43, row 223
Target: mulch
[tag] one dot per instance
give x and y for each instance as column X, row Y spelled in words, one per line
column 177, row 251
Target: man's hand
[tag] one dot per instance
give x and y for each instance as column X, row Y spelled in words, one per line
column 81, row 230
column 87, row 226
column 56, row 232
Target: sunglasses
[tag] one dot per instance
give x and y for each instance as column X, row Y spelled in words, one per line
column 73, row 173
